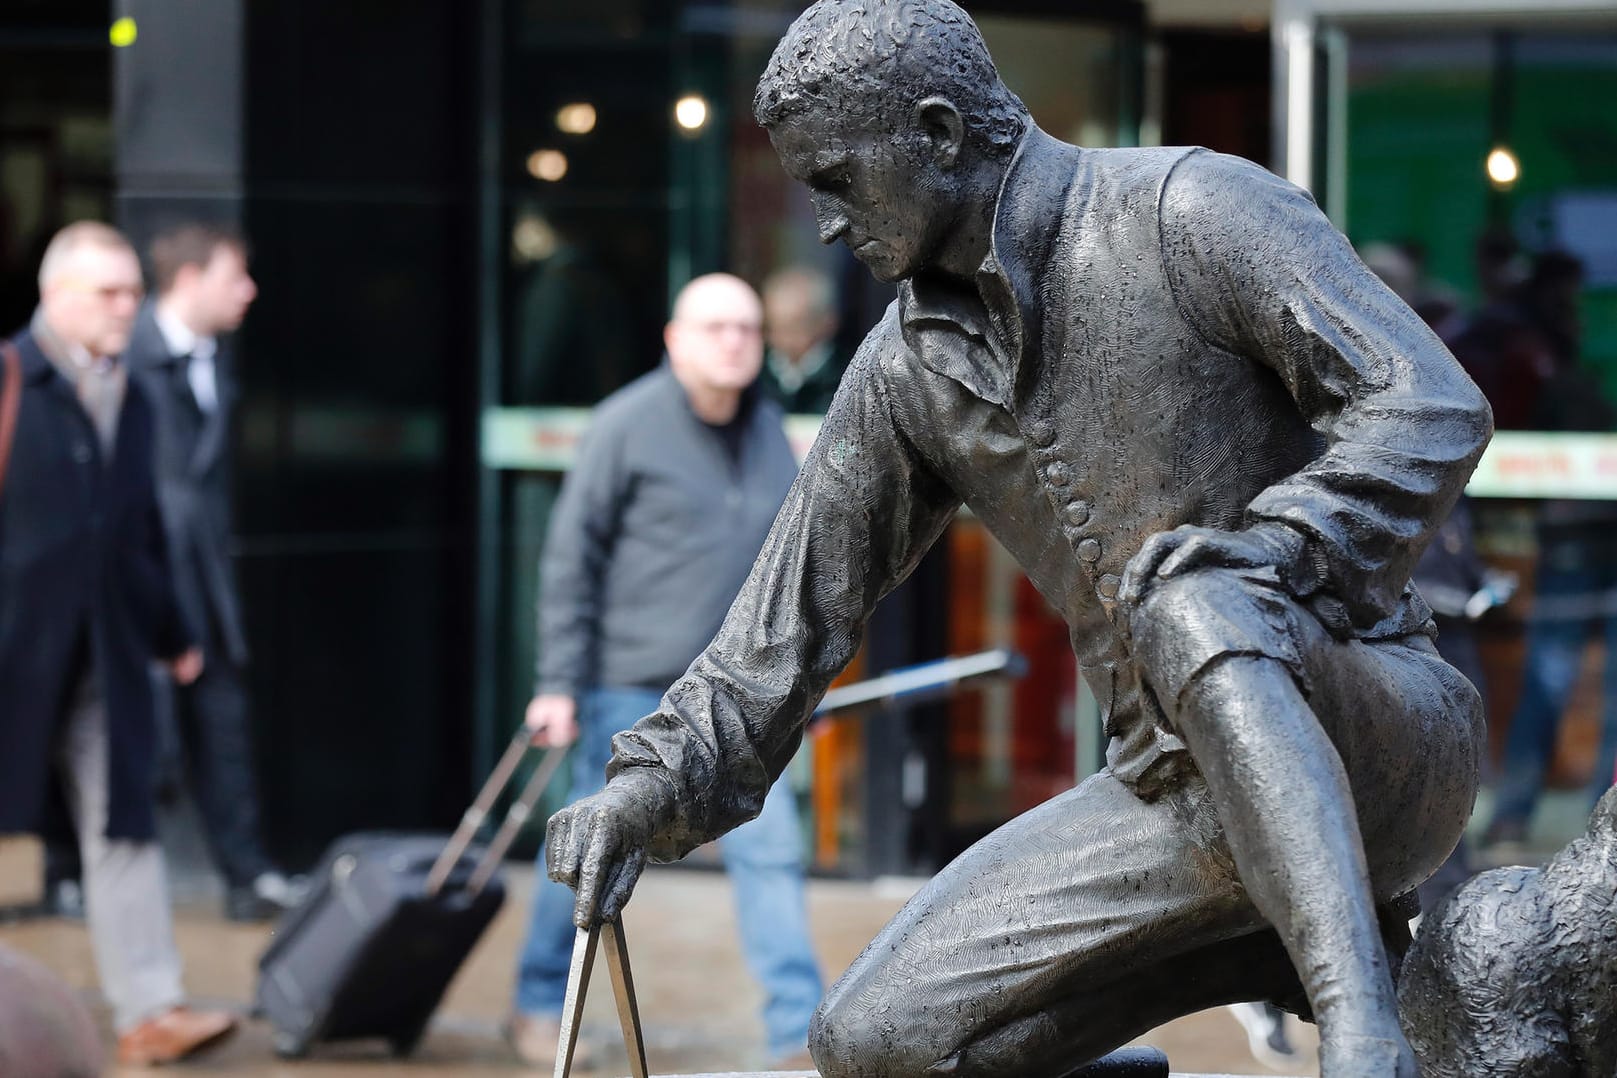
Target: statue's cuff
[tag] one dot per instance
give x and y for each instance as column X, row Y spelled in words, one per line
column 1298, row 558
column 651, row 789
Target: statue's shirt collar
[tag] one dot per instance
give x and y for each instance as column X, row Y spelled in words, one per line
column 984, row 335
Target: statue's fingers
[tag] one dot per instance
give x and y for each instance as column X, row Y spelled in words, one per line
column 595, row 866
column 615, row 894
column 1194, row 553
column 561, row 858
column 1141, row 570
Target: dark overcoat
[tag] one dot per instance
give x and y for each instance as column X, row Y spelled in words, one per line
column 83, row 575
column 193, row 485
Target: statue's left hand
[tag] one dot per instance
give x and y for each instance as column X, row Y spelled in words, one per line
column 1187, row 548
column 597, row 845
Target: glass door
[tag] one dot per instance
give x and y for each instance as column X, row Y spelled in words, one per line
column 1469, row 152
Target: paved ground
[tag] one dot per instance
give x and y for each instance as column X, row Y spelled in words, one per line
column 698, row 1004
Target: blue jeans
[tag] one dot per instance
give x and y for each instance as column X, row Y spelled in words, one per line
column 1572, row 606
column 763, row 858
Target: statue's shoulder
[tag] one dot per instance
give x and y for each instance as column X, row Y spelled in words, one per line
column 884, row 352
column 1130, row 168
column 1202, row 182
column 886, row 363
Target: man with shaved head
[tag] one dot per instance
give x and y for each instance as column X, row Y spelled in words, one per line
column 1218, row 444
column 669, row 499
column 86, row 603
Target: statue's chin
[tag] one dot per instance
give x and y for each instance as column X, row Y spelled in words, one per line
column 880, row 268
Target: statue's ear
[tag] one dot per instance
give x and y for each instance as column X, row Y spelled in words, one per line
column 944, row 127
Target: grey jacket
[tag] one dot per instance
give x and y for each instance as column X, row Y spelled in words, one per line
column 653, row 534
column 1165, row 337
column 194, row 484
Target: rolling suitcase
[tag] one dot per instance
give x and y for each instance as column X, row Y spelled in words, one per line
column 391, row 919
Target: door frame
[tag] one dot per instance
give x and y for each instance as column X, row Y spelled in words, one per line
column 1298, row 35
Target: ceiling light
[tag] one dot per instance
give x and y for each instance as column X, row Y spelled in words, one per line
column 690, row 112
column 547, row 165
column 1503, row 168
column 577, row 118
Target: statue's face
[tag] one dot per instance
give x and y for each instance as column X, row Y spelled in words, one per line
column 889, row 203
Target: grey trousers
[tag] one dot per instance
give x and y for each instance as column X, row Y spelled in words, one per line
column 125, row 888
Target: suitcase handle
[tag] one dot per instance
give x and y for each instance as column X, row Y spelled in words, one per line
column 515, row 816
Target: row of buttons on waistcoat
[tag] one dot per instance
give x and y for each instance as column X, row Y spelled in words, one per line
column 1076, row 511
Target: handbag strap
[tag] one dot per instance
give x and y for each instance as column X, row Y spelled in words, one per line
column 10, row 399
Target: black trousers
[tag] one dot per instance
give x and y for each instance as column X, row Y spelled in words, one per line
column 215, row 733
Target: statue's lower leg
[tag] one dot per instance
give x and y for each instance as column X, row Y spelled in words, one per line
column 1283, row 798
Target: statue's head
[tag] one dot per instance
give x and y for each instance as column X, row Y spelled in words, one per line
column 892, row 113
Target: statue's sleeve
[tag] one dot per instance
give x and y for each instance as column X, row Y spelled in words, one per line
column 1261, row 273
column 862, row 512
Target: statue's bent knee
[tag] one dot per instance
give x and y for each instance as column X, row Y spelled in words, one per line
column 853, row 1037
column 843, row 1042
column 1187, row 624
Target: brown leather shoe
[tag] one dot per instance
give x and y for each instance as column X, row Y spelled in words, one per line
column 173, row 1036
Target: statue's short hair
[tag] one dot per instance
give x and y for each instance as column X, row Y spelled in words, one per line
column 853, row 56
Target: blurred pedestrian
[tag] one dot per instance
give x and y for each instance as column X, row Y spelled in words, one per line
column 1266, row 1036
column 86, row 602
column 1460, row 588
column 181, row 356
column 1517, row 343
column 802, row 365
column 659, row 520
column 1575, row 573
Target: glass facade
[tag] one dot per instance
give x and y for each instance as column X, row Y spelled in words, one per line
column 629, row 162
column 1479, row 176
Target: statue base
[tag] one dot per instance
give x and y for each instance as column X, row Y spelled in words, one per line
column 1124, row 1063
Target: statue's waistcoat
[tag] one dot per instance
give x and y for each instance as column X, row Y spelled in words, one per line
column 1088, row 413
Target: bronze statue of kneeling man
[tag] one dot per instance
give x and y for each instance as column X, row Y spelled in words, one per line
column 1217, row 444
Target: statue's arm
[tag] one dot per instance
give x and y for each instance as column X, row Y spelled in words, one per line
column 863, row 511
column 1260, row 272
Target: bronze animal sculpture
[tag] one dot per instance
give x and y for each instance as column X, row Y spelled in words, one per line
column 1516, row 974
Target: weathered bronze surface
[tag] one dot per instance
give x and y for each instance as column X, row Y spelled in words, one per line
column 1217, row 443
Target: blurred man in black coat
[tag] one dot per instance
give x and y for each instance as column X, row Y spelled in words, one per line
column 203, row 291
column 86, row 603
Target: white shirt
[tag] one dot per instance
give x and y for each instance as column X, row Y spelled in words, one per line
column 200, row 372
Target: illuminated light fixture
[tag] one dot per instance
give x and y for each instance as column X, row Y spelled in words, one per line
column 547, row 165
column 123, row 32
column 690, row 112
column 1503, row 168
column 577, row 118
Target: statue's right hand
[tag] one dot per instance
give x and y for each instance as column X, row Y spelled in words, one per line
column 597, row 845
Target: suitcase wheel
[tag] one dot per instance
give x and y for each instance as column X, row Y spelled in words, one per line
column 403, row 1046
column 290, row 1045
